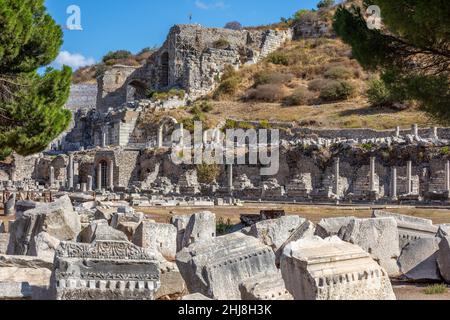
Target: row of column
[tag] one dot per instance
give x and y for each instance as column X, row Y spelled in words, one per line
column 415, row 132
column 110, row 172
column 394, row 195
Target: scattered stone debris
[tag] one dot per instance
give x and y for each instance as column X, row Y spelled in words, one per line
column 331, row 269
column 217, row 267
column 418, row 260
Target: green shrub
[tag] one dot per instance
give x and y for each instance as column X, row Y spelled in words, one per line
column 317, row 84
column 221, row 44
column 228, row 86
column 223, row 227
column 445, row 151
column 378, row 94
column 245, row 125
column 266, row 77
column 339, row 72
column 230, row 124
column 436, row 289
column 164, row 95
column 208, row 174
column 301, row 96
column 337, row 91
column 267, row 93
column 367, row 146
column 115, row 55
column 279, row 58
column 265, row 124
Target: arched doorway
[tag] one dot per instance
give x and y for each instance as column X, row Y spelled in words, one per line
column 136, row 90
column 104, row 174
column 164, row 70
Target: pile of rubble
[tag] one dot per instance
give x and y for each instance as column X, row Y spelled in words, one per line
column 100, row 250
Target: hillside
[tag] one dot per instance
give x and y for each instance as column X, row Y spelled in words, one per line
column 314, row 82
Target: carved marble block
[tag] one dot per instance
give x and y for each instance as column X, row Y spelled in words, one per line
column 104, row 270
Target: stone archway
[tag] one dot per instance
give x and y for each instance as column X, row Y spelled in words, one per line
column 165, row 129
column 104, row 174
column 136, row 90
column 164, row 76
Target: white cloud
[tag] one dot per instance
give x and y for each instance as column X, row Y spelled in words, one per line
column 73, row 60
column 206, row 6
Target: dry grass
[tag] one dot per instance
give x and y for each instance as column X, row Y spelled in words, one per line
column 355, row 113
column 436, row 289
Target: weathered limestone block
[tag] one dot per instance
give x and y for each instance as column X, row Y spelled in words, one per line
column 217, row 267
column 265, row 287
column 201, row 227
column 25, row 205
column 379, row 237
column 4, row 240
column 44, row 246
column 15, row 291
column 196, row 297
column 99, row 230
column 172, row 283
column 31, row 275
column 180, row 223
column 274, row 233
column 307, row 229
column 443, row 231
column 58, row 219
column 331, row 269
column 418, row 260
column 444, row 258
column 104, row 270
column 410, row 228
column 104, row 213
column 157, row 237
column 127, row 222
column 331, row 226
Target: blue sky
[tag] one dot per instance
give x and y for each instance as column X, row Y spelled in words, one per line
column 136, row 24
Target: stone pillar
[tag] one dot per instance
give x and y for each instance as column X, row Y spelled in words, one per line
column 159, row 138
column 70, row 172
column 230, row 178
column 51, row 177
column 89, row 183
column 372, row 175
column 397, row 132
column 394, row 183
column 447, row 176
column 409, row 177
column 99, row 177
column 111, row 175
column 415, row 130
column 84, row 187
column 10, row 205
column 12, row 174
column 337, row 175
column 435, row 133
column 103, row 144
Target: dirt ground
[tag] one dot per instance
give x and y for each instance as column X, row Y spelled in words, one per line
column 406, row 291
column 312, row 212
